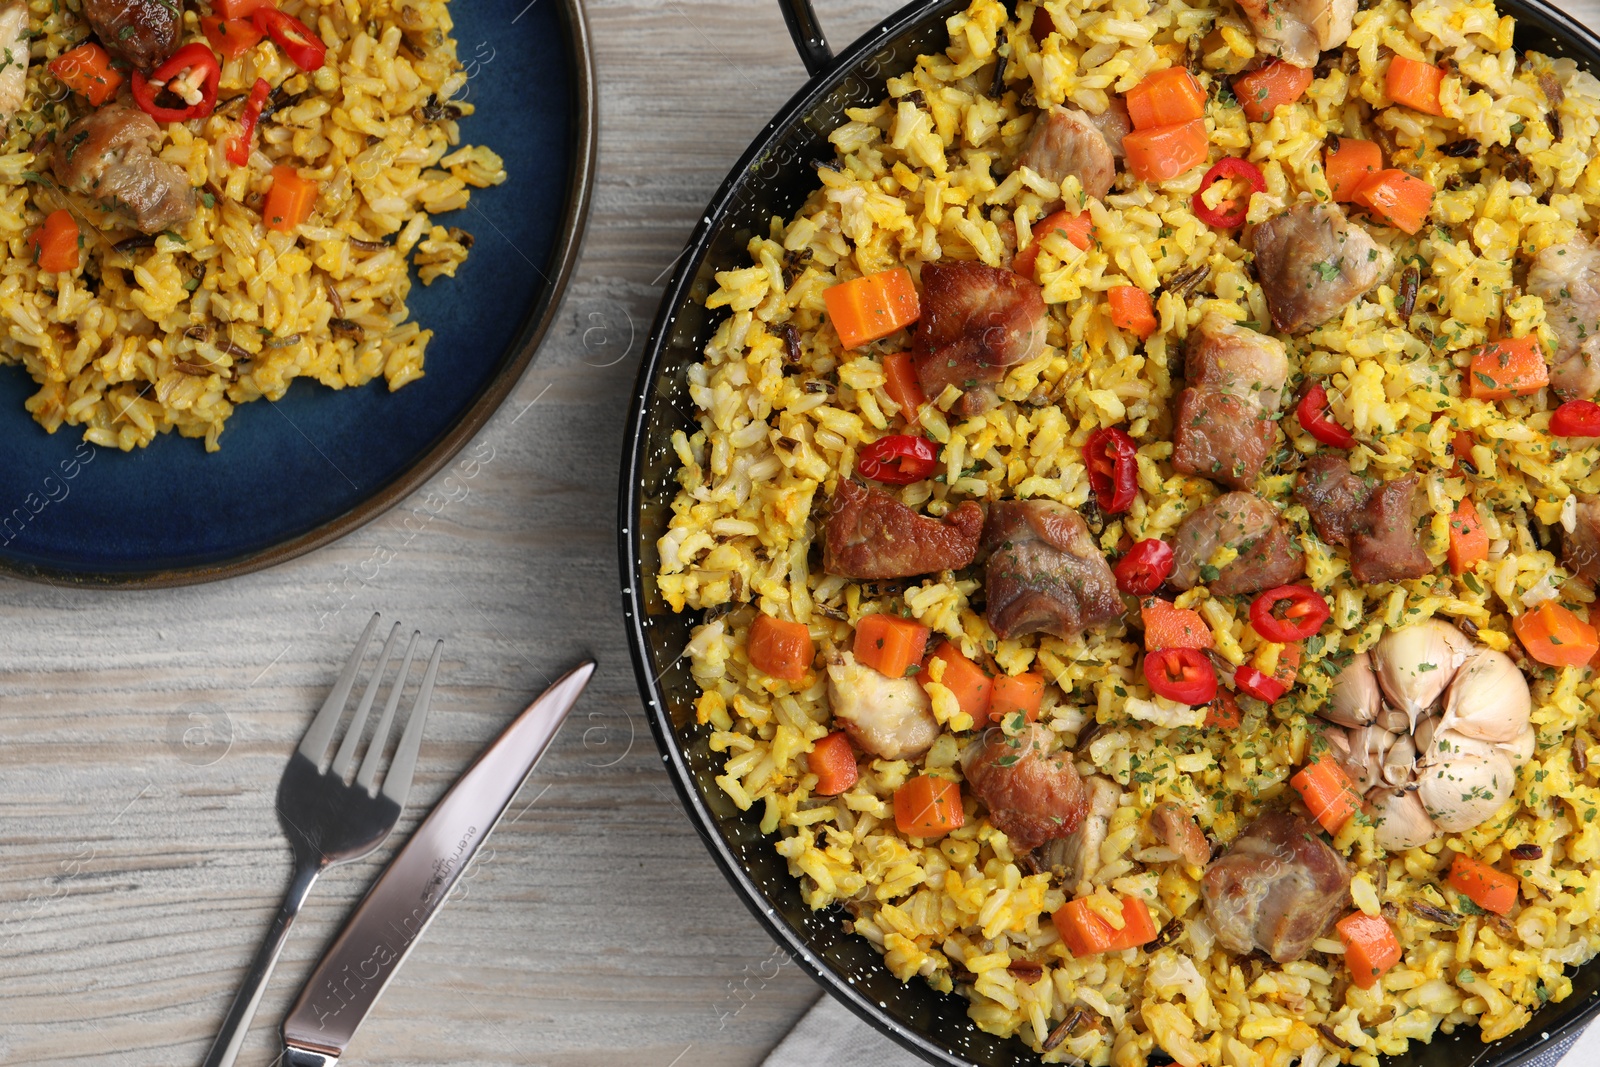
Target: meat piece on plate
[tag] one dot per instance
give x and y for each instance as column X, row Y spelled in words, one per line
column 1276, row 888
column 1580, row 549
column 1377, row 521
column 13, row 57
column 1031, row 789
column 1045, row 574
column 1312, row 262
column 1177, row 829
column 1334, row 495
column 1567, row 278
column 144, row 32
column 1223, row 428
column 1114, row 123
column 976, row 321
column 1252, row 528
column 870, row 534
column 1065, row 141
column 1077, row 856
column 109, row 155
column 1298, row 31
column 888, row 717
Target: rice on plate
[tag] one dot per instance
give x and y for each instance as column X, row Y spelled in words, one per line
column 205, row 242
column 1287, row 315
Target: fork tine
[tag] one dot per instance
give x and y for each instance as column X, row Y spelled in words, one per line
column 347, row 748
column 315, row 744
column 369, row 765
column 398, row 781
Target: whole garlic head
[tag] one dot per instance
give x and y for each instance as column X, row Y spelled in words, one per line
column 1463, row 780
column 1401, row 822
column 1354, row 699
column 1415, row 665
column 1488, row 699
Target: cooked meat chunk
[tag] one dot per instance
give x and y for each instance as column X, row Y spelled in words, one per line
column 870, row 534
column 1334, row 495
column 1296, row 31
column 1114, row 123
column 1033, row 794
column 1065, row 141
column 1077, row 856
column 144, row 32
column 1312, row 262
column 1567, row 278
column 13, row 57
column 1276, row 888
column 1248, row 525
column 1045, row 574
column 887, row 717
column 109, row 155
column 976, row 321
column 1376, row 521
column 1580, row 549
column 1223, row 429
column 1385, row 547
column 1178, row 831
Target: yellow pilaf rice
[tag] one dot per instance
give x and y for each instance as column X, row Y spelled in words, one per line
column 221, row 311
column 916, row 182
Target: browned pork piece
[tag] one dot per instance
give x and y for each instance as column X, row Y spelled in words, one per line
column 1223, row 428
column 1032, row 791
column 1065, row 141
column 144, row 32
column 1276, row 888
column 1567, row 278
column 1312, row 262
column 1114, row 123
column 870, row 534
column 1297, row 31
column 109, row 155
column 1252, row 528
column 1045, row 574
column 976, row 321
column 1177, row 829
column 1580, row 549
column 1377, row 521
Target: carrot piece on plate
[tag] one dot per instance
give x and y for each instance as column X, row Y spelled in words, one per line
column 833, row 761
column 1161, row 153
column 1511, row 366
column 889, row 644
column 1397, row 198
column 1261, row 91
column 969, row 682
column 1415, row 84
column 1469, row 543
column 1166, row 626
column 1164, row 98
column 1078, row 229
column 1132, row 310
column 1488, row 888
column 865, row 309
column 1013, row 693
column 928, row 806
column 779, row 648
column 1552, row 634
column 1328, row 792
column 1370, row 947
column 903, row 386
column 1349, row 165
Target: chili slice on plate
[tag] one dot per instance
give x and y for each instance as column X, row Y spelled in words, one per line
column 1147, row 564
column 1181, row 674
column 239, row 147
column 1576, row 418
column 1316, row 420
column 296, row 39
column 1252, row 682
column 898, row 459
column 1222, row 170
column 1112, row 459
column 200, row 73
column 1288, row 613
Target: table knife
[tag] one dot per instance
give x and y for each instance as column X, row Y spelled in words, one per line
column 408, row 894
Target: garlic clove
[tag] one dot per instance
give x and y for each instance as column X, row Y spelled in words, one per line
column 1378, row 757
column 1463, row 780
column 1400, row 820
column 1521, row 748
column 1354, row 698
column 1415, row 665
column 1400, row 761
column 1488, row 699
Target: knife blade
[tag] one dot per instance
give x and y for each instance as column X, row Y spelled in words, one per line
column 407, row 895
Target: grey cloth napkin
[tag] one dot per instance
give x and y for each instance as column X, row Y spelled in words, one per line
column 830, row 1034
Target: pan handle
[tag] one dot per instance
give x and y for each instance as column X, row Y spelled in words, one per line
column 809, row 41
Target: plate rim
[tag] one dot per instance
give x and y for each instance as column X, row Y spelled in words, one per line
column 530, row 336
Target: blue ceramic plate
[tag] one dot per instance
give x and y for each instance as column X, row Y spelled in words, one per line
column 310, row 468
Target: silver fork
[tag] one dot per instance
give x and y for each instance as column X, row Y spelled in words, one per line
column 327, row 821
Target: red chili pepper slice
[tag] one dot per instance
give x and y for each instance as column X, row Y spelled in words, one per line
column 1252, row 682
column 1112, row 459
column 1576, row 418
column 189, row 60
column 296, row 39
column 1288, row 613
column 1313, row 414
column 898, row 459
column 1221, row 170
column 1144, row 568
column 239, row 147
column 1181, row 674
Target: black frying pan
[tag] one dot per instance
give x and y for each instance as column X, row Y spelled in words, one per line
column 773, row 178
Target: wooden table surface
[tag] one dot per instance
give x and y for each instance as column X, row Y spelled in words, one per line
column 142, row 734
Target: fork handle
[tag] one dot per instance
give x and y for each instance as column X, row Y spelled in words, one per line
column 225, row 1049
